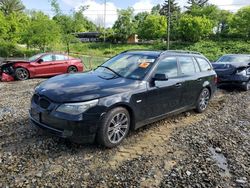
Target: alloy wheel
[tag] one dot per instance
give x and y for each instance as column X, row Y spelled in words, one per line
column 118, row 127
column 22, row 74
column 248, row 85
column 72, row 69
column 204, row 99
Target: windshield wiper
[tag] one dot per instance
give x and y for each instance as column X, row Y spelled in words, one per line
column 111, row 70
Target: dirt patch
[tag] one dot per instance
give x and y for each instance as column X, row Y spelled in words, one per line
column 173, row 152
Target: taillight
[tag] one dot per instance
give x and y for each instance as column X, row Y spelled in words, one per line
column 215, row 79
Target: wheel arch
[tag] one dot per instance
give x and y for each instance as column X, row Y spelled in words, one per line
column 23, row 67
column 130, row 111
column 72, row 65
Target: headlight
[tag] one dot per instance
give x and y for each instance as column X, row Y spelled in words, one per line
column 248, row 71
column 76, row 108
column 241, row 72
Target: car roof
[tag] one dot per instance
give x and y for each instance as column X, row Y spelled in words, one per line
column 144, row 52
column 236, row 55
column 157, row 53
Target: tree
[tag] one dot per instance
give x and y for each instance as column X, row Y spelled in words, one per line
column 174, row 8
column 207, row 11
column 124, row 26
column 156, row 9
column 153, row 27
column 139, row 20
column 71, row 24
column 81, row 23
column 3, row 27
column 17, row 23
column 193, row 28
column 175, row 12
column 11, row 6
column 41, row 31
column 196, row 3
column 224, row 18
column 240, row 23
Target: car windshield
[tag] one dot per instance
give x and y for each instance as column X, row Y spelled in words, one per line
column 35, row 57
column 236, row 59
column 132, row 66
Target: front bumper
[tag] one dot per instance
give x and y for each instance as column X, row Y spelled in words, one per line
column 233, row 79
column 82, row 131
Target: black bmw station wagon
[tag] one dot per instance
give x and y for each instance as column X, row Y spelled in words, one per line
column 128, row 91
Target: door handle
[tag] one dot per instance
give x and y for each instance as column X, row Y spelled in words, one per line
column 178, row 85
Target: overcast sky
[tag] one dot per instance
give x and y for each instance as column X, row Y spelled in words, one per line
column 96, row 7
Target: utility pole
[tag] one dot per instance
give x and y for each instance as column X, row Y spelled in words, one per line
column 104, row 19
column 168, row 24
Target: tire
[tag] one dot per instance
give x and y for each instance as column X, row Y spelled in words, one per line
column 114, row 127
column 246, row 87
column 72, row 69
column 21, row 74
column 203, row 100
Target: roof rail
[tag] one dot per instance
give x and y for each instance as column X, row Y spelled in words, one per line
column 141, row 50
column 182, row 51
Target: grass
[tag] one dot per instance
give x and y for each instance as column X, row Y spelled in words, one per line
column 211, row 49
column 93, row 54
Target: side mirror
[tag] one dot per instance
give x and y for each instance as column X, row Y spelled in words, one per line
column 40, row 61
column 160, row 77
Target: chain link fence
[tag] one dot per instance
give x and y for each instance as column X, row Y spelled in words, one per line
column 90, row 62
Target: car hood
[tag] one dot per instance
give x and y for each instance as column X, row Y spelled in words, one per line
column 226, row 65
column 84, row 86
column 12, row 61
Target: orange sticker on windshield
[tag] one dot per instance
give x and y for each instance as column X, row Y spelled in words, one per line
column 144, row 65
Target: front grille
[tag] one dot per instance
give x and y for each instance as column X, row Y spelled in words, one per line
column 41, row 101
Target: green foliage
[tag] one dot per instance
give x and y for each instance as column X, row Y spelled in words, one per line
column 3, row 27
column 124, row 25
column 153, row 27
column 211, row 49
column 240, row 23
column 214, row 49
column 210, row 12
column 174, row 8
column 109, row 35
column 11, row 6
column 41, row 32
column 17, row 23
column 156, row 9
column 8, row 49
column 195, row 3
column 193, row 28
column 224, row 18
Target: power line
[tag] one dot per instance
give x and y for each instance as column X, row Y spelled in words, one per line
column 109, row 10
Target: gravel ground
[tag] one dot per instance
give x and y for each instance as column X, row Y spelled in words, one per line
column 188, row 150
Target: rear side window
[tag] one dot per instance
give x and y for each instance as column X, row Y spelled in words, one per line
column 60, row 57
column 187, row 65
column 168, row 66
column 204, row 65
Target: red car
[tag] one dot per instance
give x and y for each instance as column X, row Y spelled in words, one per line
column 41, row 65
